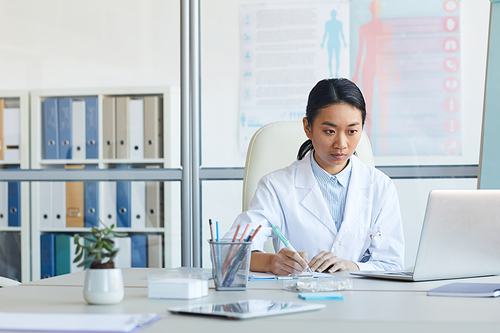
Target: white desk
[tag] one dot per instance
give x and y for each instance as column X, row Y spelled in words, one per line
column 137, row 278
column 361, row 311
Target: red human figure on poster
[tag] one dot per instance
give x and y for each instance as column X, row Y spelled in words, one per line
column 375, row 41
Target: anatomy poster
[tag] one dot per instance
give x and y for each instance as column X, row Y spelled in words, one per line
column 285, row 49
column 404, row 55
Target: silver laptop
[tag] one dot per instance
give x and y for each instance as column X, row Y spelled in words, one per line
column 460, row 238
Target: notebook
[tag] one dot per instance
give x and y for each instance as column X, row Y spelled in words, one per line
column 467, row 290
column 459, row 238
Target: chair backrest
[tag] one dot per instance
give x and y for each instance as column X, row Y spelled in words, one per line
column 275, row 146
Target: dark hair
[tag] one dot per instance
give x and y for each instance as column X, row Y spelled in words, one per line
column 325, row 93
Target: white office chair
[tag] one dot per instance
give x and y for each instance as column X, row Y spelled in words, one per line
column 275, row 146
column 5, row 282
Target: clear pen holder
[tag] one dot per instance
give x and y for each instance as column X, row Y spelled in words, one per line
column 230, row 264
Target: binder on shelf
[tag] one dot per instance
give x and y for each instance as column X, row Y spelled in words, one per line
column 155, row 251
column 65, row 254
column 91, row 211
column 11, row 134
column 153, row 127
column 74, row 201
column 92, row 128
column 47, row 256
column 136, row 129
column 2, row 106
column 122, row 127
column 109, row 209
column 138, row 204
column 46, row 204
column 153, row 200
column 109, row 128
column 78, row 129
column 65, row 128
column 10, row 252
column 14, row 201
column 139, row 251
column 123, row 201
column 123, row 259
column 59, row 205
column 4, row 205
column 50, row 129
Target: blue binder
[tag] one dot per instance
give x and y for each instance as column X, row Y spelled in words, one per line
column 14, row 201
column 91, row 190
column 50, row 129
column 47, row 255
column 91, row 128
column 139, row 250
column 123, row 201
column 65, row 123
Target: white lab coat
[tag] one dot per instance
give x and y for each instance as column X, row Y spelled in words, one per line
column 291, row 199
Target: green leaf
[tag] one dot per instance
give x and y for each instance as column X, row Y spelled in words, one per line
column 79, row 257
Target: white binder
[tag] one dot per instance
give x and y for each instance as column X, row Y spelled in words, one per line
column 108, row 199
column 4, row 207
column 155, row 251
column 124, row 257
column 136, row 129
column 138, row 204
column 46, row 195
column 78, row 130
column 11, row 134
column 59, row 205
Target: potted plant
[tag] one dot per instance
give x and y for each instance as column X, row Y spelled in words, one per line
column 103, row 282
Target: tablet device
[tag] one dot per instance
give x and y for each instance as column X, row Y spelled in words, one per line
column 245, row 309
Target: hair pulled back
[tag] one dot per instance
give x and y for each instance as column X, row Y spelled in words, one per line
column 328, row 92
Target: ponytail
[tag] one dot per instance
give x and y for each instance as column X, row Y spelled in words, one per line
column 304, row 149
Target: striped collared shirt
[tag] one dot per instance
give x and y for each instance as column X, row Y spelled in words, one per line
column 334, row 189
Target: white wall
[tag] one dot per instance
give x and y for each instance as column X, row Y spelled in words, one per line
column 91, row 43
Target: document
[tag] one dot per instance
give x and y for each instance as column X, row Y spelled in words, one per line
column 136, row 128
column 65, row 128
column 78, row 130
column 256, row 276
column 51, row 129
column 92, row 128
column 66, row 322
column 11, row 134
column 4, row 207
column 122, row 128
column 109, row 124
column 153, row 127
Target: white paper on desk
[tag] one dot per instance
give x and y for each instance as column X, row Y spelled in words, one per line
column 74, row 322
column 271, row 276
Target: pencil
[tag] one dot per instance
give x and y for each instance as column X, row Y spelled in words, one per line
column 255, row 233
column 211, row 231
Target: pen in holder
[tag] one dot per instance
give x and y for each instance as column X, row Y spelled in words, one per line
column 230, row 264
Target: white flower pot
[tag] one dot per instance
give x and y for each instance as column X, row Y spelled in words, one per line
column 103, row 286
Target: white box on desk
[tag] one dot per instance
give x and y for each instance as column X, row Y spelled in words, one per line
column 176, row 286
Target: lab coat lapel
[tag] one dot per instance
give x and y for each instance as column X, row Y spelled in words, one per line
column 313, row 199
column 356, row 201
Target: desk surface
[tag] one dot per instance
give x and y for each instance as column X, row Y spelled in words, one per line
column 137, row 278
column 360, row 311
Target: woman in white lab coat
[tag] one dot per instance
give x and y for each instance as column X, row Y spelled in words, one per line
column 333, row 208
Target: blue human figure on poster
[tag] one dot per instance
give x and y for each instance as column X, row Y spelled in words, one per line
column 334, row 31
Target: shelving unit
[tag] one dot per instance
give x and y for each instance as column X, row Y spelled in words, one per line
column 170, row 159
column 20, row 99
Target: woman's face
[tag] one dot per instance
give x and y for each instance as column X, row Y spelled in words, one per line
column 335, row 134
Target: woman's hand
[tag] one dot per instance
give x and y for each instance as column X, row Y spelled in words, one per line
column 328, row 262
column 288, row 262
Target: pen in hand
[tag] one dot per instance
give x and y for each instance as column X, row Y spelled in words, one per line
column 287, row 244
